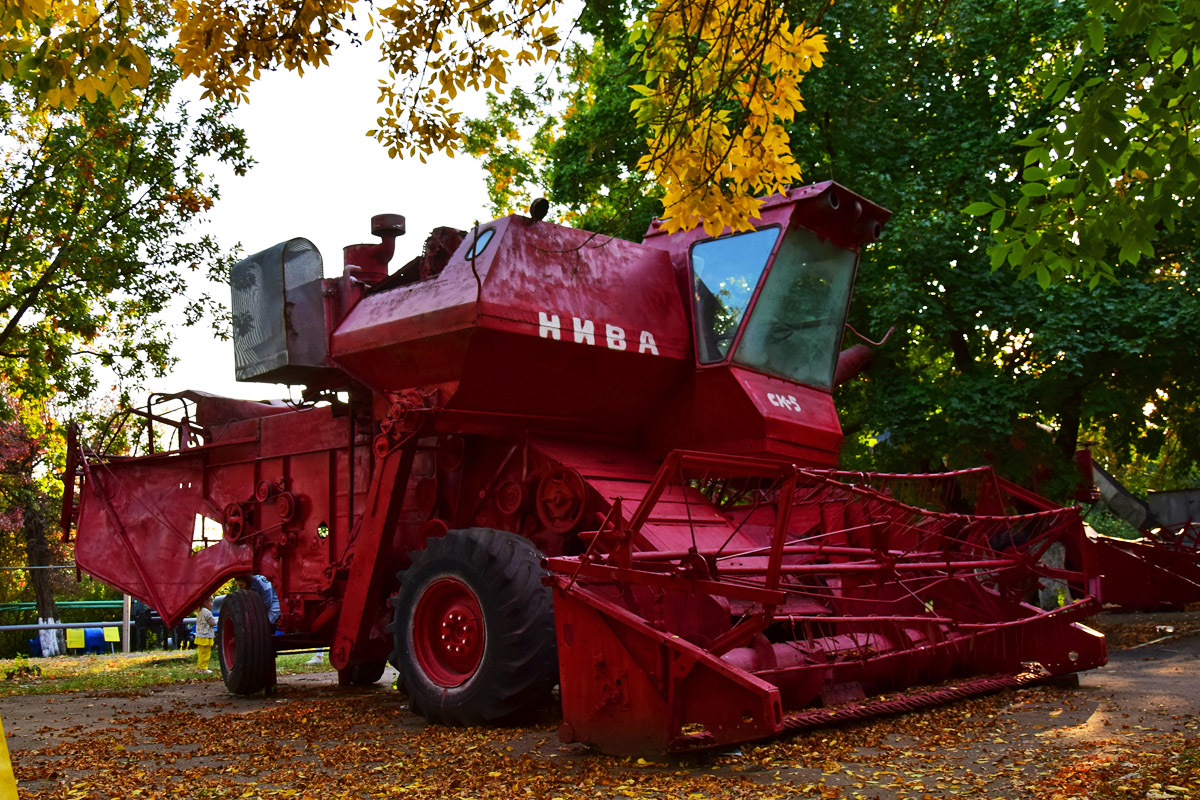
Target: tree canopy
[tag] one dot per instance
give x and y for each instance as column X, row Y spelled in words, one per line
column 721, row 76
column 1112, row 173
column 1107, row 168
column 97, row 204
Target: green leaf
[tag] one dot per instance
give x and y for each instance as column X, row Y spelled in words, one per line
column 1017, row 254
column 1095, row 33
column 1043, row 277
column 1034, row 189
column 998, row 253
column 978, row 209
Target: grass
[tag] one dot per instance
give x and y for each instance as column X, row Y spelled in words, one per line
column 119, row 672
column 1105, row 522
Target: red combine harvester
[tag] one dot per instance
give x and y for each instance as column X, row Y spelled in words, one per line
column 537, row 456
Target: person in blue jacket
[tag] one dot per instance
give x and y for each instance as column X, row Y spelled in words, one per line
column 262, row 587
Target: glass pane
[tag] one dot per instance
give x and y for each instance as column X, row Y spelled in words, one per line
column 795, row 329
column 724, row 274
column 481, row 244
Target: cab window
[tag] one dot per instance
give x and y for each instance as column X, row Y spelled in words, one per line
column 725, row 273
column 795, row 328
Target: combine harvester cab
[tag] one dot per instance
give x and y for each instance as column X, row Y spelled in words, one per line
column 642, row 434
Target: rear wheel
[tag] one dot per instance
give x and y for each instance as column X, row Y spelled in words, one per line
column 474, row 628
column 244, row 646
column 366, row 673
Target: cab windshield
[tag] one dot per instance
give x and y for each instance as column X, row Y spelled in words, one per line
column 794, row 330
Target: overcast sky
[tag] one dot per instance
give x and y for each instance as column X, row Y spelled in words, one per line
column 320, row 177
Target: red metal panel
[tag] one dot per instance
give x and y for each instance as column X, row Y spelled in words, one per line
column 547, row 383
column 142, row 545
column 572, row 286
column 360, row 607
column 793, row 414
column 1145, row 575
column 635, row 689
column 733, row 410
column 538, row 327
column 306, row 430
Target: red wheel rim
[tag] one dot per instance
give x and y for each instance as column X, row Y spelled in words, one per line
column 448, row 632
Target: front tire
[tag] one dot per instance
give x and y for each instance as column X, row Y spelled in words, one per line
column 244, row 646
column 474, row 628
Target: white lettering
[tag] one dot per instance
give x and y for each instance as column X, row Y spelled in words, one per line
column 647, row 344
column 585, row 331
column 548, row 326
column 779, row 401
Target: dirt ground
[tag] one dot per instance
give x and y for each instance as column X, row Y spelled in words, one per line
column 1129, row 730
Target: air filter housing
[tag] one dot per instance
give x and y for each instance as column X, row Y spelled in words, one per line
column 279, row 329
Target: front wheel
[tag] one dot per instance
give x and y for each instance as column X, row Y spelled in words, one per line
column 474, row 628
column 244, row 645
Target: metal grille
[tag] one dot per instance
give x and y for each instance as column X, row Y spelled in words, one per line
column 260, row 286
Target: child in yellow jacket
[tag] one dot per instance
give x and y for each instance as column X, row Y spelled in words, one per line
column 205, row 629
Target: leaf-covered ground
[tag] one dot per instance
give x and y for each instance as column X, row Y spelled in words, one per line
column 1130, row 730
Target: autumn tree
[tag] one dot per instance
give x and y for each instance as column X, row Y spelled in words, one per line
column 719, row 89
column 97, row 205
column 101, row 185
column 27, row 443
column 722, row 77
column 570, row 138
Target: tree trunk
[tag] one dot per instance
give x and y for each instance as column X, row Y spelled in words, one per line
column 38, row 550
column 1069, row 414
column 961, row 349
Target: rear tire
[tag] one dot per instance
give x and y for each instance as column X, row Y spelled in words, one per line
column 366, row 673
column 474, row 628
column 244, row 647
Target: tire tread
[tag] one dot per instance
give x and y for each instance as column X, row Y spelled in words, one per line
column 253, row 667
column 520, row 665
